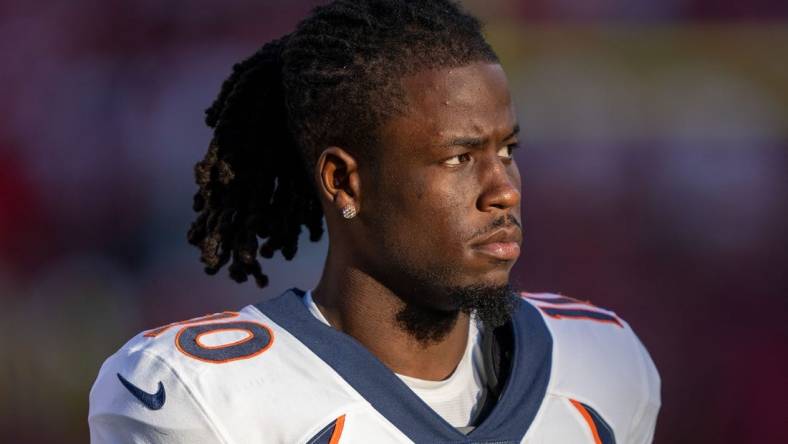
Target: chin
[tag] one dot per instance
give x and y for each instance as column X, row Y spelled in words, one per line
column 491, row 278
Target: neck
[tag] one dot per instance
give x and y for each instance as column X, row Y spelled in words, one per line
column 357, row 304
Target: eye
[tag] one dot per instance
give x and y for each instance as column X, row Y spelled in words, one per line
column 506, row 151
column 458, row 159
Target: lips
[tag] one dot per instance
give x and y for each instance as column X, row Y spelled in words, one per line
column 503, row 244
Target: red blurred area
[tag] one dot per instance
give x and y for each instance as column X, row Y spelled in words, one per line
column 24, row 234
column 654, row 166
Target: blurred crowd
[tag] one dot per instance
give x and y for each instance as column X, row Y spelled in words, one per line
column 655, row 166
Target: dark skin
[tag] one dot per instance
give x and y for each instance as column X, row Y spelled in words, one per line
column 443, row 180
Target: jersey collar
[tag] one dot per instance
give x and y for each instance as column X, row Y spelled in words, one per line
column 519, row 401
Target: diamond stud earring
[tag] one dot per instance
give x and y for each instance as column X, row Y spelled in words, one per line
column 349, row 212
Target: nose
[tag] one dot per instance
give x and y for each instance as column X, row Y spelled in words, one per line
column 500, row 187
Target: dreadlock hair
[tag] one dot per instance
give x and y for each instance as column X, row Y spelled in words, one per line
column 332, row 81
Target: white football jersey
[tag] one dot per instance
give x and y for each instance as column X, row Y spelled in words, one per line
column 273, row 373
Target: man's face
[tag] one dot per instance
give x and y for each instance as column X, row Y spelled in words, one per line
column 444, row 183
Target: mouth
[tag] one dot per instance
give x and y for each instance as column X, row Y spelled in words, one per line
column 504, row 251
column 502, row 245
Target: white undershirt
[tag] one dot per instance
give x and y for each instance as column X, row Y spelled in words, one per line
column 457, row 398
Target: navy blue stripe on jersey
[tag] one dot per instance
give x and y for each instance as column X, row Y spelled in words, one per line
column 324, row 436
column 509, row 420
column 580, row 313
column 603, row 429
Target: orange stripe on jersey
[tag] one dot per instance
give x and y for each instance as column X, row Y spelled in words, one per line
column 340, row 424
column 589, row 420
column 583, row 314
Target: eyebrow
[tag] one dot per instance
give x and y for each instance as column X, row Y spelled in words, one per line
column 475, row 142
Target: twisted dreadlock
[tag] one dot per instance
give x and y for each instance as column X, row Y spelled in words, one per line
column 331, row 82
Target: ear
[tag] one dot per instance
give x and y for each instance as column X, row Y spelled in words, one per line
column 338, row 179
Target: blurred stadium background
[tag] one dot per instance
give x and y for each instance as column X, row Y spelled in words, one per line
column 655, row 183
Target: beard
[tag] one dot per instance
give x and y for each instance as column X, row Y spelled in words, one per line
column 490, row 305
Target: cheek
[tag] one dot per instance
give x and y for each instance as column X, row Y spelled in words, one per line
column 440, row 216
column 423, row 219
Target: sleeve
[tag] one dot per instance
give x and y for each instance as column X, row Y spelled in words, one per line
column 138, row 398
column 642, row 430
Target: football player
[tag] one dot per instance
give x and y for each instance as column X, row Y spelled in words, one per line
column 393, row 120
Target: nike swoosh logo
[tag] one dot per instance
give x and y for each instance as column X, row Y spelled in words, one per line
column 153, row 401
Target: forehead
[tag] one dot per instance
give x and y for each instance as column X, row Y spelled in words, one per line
column 472, row 100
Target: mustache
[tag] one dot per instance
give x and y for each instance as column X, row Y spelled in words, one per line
column 501, row 222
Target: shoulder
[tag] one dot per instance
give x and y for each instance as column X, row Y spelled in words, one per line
column 225, row 377
column 597, row 359
column 152, row 385
column 180, row 348
column 594, row 344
